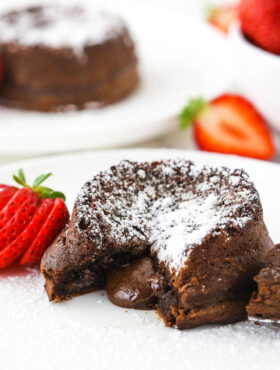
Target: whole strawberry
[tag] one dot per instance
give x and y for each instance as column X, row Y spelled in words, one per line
column 260, row 23
column 30, row 219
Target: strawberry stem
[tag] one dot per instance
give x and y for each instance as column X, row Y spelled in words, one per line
column 41, row 191
column 191, row 111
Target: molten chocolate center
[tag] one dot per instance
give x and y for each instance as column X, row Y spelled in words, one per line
column 135, row 286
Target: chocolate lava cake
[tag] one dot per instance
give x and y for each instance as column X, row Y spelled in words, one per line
column 202, row 228
column 265, row 302
column 65, row 58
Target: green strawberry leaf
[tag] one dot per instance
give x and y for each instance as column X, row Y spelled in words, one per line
column 40, row 179
column 41, row 191
column 21, row 175
column 58, row 194
column 45, row 192
column 19, row 180
column 191, row 111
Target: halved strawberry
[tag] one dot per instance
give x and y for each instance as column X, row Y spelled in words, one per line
column 229, row 124
column 223, row 17
column 31, row 218
column 54, row 223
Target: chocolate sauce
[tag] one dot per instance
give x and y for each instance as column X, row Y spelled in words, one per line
column 135, row 286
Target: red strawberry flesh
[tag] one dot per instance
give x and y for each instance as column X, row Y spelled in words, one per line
column 30, row 219
column 25, row 239
column 19, row 221
column 54, row 223
column 6, row 192
column 13, row 204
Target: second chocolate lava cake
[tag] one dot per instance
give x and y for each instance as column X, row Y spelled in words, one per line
column 203, row 228
column 60, row 58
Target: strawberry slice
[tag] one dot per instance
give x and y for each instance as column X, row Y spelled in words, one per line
column 25, row 239
column 223, row 17
column 229, row 124
column 55, row 222
column 20, row 220
column 13, row 204
column 6, row 193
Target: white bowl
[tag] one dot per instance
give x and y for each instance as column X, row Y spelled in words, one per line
column 257, row 75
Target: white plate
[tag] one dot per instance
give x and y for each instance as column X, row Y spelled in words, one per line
column 89, row 332
column 179, row 57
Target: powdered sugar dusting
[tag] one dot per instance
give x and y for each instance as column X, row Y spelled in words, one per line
column 57, row 26
column 170, row 205
column 185, row 226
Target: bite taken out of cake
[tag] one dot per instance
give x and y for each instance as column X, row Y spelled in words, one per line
column 58, row 58
column 194, row 233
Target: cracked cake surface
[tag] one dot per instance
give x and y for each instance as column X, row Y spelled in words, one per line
column 201, row 225
column 157, row 206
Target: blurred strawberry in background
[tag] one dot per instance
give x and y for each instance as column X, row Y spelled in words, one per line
column 229, row 124
column 223, row 17
column 260, row 23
